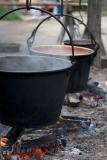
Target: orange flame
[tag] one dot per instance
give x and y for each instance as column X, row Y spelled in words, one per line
column 39, row 153
column 36, row 153
column 24, row 156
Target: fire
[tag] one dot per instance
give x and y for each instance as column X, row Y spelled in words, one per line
column 39, row 153
column 35, row 153
column 24, row 156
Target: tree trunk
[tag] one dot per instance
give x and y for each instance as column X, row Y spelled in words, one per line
column 94, row 24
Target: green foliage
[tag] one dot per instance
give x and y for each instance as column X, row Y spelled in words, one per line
column 104, row 13
column 16, row 16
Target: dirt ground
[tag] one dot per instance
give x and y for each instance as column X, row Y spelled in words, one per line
column 96, row 145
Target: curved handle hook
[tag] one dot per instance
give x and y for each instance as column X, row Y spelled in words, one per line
column 31, row 39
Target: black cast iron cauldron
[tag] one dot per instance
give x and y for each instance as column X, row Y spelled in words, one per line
column 82, row 68
column 32, row 89
column 80, row 71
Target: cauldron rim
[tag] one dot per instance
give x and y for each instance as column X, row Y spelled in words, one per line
column 78, row 42
column 35, row 50
column 66, row 66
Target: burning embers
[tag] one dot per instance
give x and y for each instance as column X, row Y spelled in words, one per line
column 39, row 152
column 30, row 144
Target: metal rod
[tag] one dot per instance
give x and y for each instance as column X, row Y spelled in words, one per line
column 28, row 4
column 75, row 5
column 62, row 8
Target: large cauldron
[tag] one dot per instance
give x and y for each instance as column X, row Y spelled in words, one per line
column 32, row 89
column 83, row 57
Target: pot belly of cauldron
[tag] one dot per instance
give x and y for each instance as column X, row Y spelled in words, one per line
column 80, row 72
column 79, row 75
column 31, row 101
column 32, row 90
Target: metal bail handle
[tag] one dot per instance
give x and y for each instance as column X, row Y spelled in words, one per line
column 91, row 35
column 51, row 15
column 31, row 39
